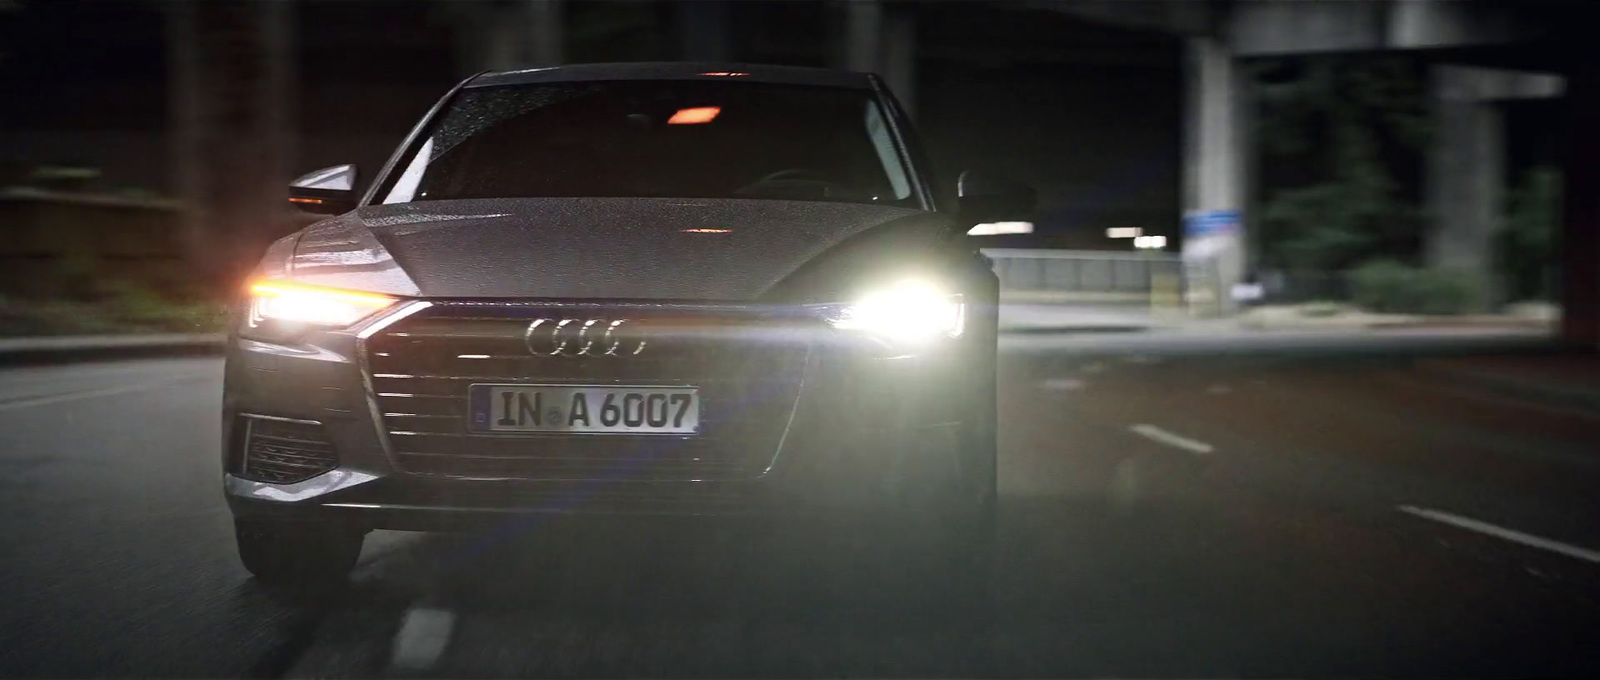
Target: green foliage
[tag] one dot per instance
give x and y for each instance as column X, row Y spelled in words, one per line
column 19, row 318
column 1319, row 227
column 1343, row 140
column 1322, row 309
column 1528, row 241
column 1391, row 287
column 120, row 308
column 139, row 308
column 78, row 277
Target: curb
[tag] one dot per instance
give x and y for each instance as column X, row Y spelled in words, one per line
column 1073, row 330
column 1530, row 325
column 1441, row 324
column 33, row 351
column 1577, row 399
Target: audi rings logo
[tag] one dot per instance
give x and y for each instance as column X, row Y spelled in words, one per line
column 583, row 337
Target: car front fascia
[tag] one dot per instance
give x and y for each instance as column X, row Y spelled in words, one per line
column 330, row 367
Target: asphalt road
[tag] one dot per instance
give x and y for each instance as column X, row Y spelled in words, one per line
column 1169, row 508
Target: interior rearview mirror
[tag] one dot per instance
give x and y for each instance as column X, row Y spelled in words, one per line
column 329, row 191
column 986, row 198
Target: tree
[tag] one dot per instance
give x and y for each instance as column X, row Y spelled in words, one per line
column 1527, row 242
column 1342, row 140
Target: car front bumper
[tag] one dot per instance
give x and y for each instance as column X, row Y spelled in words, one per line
column 864, row 423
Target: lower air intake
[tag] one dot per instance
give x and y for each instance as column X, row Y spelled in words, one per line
column 282, row 452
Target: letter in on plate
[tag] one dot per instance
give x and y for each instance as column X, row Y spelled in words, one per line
column 505, row 410
column 530, row 410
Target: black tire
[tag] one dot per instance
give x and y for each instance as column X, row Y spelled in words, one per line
column 982, row 445
column 942, row 527
column 297, row 553
column 971, row 526
column 971, row 536
column 980, row 442
column 950, row 534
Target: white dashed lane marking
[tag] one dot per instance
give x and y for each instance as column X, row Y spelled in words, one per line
column 424, row 635
column 1062, row 384
column 1157, row 434
column 89, row 394
column 1503, row 533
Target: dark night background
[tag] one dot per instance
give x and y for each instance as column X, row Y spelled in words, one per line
column 1381, row 462
column 1089, row 114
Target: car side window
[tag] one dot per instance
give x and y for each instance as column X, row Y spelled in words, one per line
column 888, row 155
column 405, row 188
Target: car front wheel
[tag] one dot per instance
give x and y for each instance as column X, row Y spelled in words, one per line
column 297, row 553
column 948, row 522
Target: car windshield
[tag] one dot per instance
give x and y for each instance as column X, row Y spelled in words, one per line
column 686, row 139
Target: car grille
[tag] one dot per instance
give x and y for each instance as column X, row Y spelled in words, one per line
column 285, row 452
column 422, row 365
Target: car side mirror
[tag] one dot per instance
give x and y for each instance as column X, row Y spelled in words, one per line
column 329, row 191
column 986, row 198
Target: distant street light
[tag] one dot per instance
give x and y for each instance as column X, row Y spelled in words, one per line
column 1150, row 242
column 992, row 228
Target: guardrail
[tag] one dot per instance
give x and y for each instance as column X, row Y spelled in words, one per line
column 1091, row 276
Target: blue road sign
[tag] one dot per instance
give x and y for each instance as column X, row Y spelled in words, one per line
column 1210, row 222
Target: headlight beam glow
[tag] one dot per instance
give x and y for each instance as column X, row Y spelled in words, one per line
column 311, row 305
column 910, row 311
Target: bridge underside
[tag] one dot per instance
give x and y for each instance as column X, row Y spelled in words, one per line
column 1142, row 118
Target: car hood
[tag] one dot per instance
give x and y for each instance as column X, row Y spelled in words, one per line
column 578, row 248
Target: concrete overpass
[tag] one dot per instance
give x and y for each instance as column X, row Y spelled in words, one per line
column 1485, row 53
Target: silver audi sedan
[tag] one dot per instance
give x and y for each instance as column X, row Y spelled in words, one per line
column 644, row 289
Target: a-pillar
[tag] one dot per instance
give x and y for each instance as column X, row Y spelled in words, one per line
column 1216, row 148
column 230, row 90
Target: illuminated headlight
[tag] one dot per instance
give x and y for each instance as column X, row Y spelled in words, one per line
column 909, row 311
column 279, row 310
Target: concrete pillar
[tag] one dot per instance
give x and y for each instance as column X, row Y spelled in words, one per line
column 899, row 67
column 704, row 28
column 1580, row 234
column 1465, row 180
column 883, row 40
column 863, row 25
column 1216, row 145
column 545, row 43
column 231, row 67
column 500, row 43
column 506, row 36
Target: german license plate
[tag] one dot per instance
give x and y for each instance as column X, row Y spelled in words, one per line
column 590, row 409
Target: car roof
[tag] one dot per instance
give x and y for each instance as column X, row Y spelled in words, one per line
column 793, row 75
